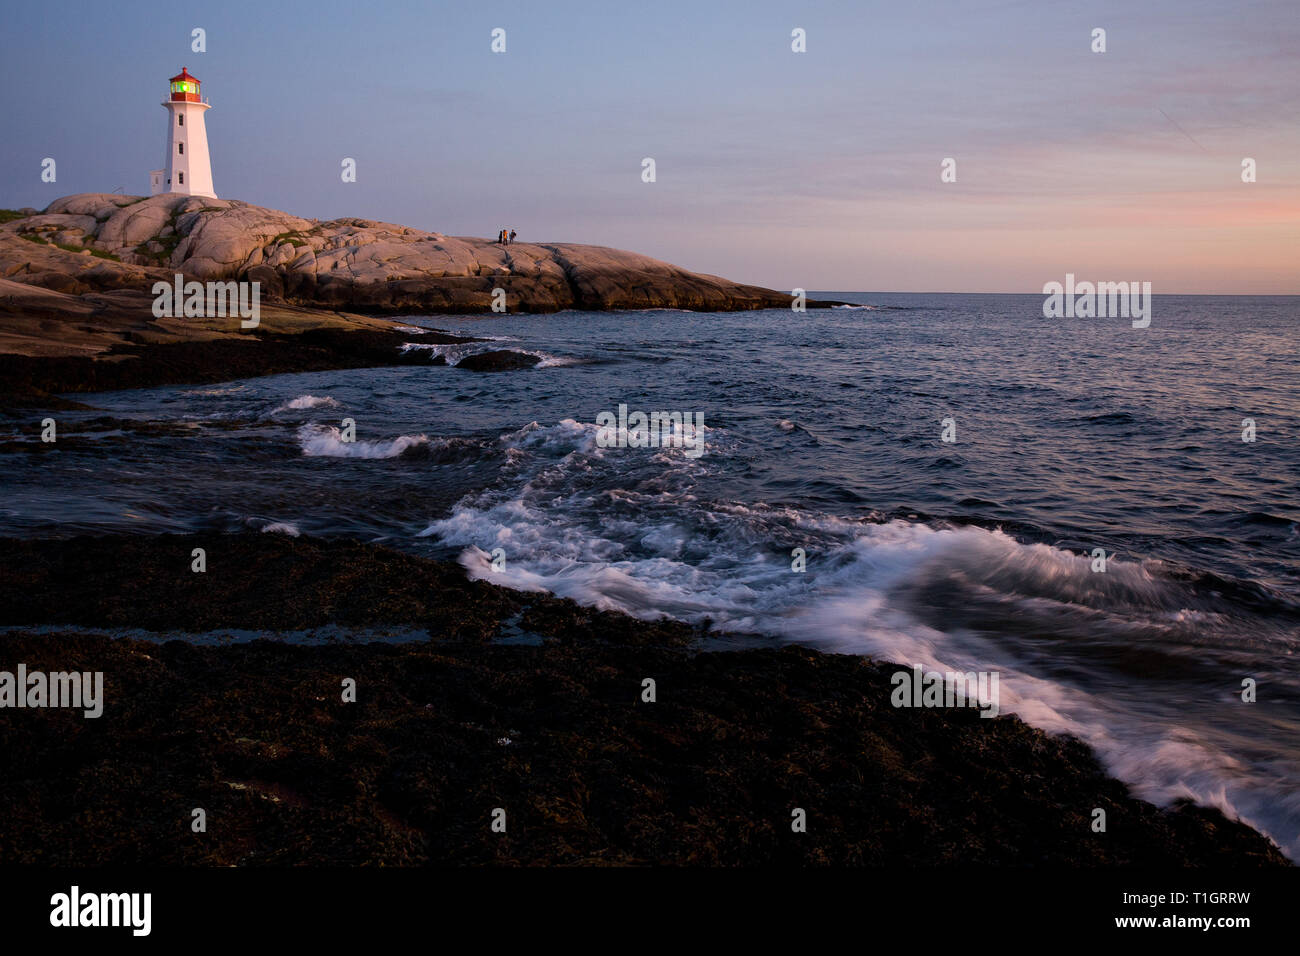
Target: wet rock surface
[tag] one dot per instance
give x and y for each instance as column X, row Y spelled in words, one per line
column 27, row 381
column 552, row 729
column 497, row 360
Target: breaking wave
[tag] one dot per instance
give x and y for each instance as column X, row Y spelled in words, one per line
column 1138, row 661
column 327, row 441
column 454, row 353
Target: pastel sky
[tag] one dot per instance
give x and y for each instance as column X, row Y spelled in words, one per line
column 817, row 170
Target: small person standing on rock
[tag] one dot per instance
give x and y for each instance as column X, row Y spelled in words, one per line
column 512, row 235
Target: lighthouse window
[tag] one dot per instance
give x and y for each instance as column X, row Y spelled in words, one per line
column 180, row 179
column 180, row 147
column 180, row 120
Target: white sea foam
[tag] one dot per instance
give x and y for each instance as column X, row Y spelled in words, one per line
column 553, row 361
column 625, row 532
column 454, row 352
column 308, row 401
column 327, row 441
column 281, row 527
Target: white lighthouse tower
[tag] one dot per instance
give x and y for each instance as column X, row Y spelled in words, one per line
column 188, row 169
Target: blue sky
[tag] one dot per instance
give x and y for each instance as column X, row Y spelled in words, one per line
column 818, row 170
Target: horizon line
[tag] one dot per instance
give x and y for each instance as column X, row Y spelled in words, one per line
column 1220, row 295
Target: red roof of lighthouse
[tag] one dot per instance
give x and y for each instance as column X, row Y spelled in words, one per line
column 184, row 74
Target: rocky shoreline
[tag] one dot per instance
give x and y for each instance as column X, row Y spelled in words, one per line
column 76, row 310
column 509, row 700
column 42, row 382
column 469, row 697
column 94, row 242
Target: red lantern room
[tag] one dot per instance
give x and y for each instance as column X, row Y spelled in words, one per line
column 185, row 88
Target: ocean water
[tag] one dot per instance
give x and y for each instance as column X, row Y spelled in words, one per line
column 821, row 432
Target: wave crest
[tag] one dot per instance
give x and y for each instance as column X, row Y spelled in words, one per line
column 326, row 441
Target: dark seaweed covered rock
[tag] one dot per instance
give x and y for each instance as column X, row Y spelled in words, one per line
column 554, row 729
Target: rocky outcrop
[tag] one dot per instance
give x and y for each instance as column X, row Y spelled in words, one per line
column 354, row 264
column 38, row 321
column 497, row 360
